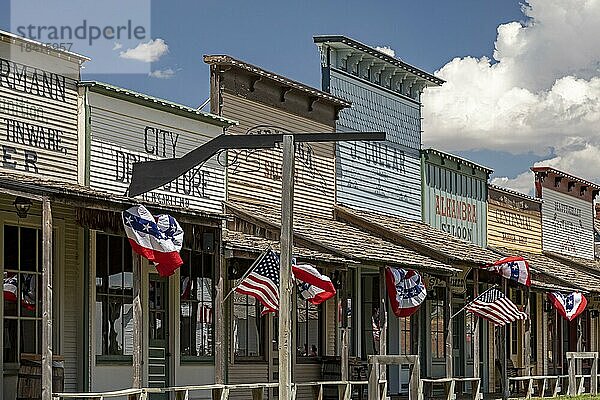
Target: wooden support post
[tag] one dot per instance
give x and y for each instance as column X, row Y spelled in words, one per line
column 414, row 382
column 137, row 321
column 219, row 312
column 476, row 355
column 572, row 376
column 448, row 322
column 285, row 285
column 344, row 356
column 502, row 345
column 382, row 323
column 46, row 299
column 527, row 336
column 594, row 375
column 373, row 388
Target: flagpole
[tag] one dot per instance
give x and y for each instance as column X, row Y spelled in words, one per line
column 476, row 298
column 254, row 264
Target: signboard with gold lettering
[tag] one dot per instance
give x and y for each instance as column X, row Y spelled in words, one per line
column 514, row 221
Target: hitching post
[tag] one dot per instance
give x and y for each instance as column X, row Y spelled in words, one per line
column 151, row 175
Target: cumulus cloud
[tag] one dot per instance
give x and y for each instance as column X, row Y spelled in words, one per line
column 386, row 50
column 166, row 73
column 151, row 51
column 540, row 92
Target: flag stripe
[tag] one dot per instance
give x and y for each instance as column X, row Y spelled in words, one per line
column 262, row 282
column 494, row 306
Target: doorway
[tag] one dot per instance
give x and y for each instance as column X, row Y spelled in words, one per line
column 158, row 334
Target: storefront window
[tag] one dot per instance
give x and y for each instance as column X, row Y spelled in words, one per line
column 371, row 321
column 308, row 329
column 22, row 292
column 248, row 327
column 114, row 296
column 196, row 304
column 405, row 336
column 436, row 327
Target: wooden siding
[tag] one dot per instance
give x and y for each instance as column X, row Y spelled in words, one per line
column 455, row 203
column 514, row 229
column 383, row 176
column 38, row 114
column 255, row 176
column 123, row 133
column 567, row 225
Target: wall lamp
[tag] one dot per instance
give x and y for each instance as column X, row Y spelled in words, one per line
column 22, row 205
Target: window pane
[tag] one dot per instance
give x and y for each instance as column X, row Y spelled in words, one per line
column 115, row 264
column 203, row 330
column 128, row 328
column 11, row 290
column 10, row 340
column 101, row 263
column 11, row 247
column 114, row 327
column 28, row 295
column 28, row 333
column 99, row 332
column 28, row 249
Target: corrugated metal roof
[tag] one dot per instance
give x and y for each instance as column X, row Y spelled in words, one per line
column 354, row 44
column 458, row 159
column 241, row 241
column 420, row 235
column 162, row 104
column 344, row 239
column 10, row 37
column 222, row 59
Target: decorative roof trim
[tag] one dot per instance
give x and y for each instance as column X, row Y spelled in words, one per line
column 566, row 175
column 222, row 59
column 378, row 54
column 155, row 102
column 515, row 193
column 10, row 37
column 457, row 159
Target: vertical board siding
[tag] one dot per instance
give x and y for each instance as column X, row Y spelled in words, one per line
column 567, row 225
column 123, row 133
column 38, row 114
column 379, row 176
column 255, row 176
column 514, row 229
column 455, row 203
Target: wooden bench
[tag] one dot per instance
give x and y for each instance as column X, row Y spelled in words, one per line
column 450, row 386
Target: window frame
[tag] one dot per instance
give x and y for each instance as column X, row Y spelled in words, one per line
column 111, row 359
column 186, row 358
column 18, row 271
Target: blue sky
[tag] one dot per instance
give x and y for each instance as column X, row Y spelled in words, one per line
column 277, row 35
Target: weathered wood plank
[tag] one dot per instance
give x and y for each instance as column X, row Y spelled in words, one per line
column 46, row 299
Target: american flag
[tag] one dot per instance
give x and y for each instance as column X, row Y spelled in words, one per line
column 263, row 282
column 494, row 306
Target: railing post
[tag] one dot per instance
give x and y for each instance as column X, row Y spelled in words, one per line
column 373, row 387
column 594, row 375
column 572, row 378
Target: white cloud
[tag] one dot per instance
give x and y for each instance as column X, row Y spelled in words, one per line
column 166, row 73
column 117, row 46
column 151, row 51
column 386, row 50
column 540, row 92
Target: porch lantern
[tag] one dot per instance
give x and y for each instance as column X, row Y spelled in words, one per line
column 22, row 205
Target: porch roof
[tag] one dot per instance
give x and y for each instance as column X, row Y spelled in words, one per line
column 419, row 236
column 563, row 273
column 234, row 240
column 587, row 265
column 343, row 239
column 85, row 197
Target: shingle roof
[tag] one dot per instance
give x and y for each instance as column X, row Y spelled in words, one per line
column 344, row 239
column 563, row 273
column 64, row 192
column 592, row 266
column 421, row 235
column 241, row 241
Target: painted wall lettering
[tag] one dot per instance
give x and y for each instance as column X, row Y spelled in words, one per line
column 32, row 80
column 457, row 209
column 160, row 142
column 34, row 135
column 512, row 219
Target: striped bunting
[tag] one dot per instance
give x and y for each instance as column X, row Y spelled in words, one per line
column 494, row 306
